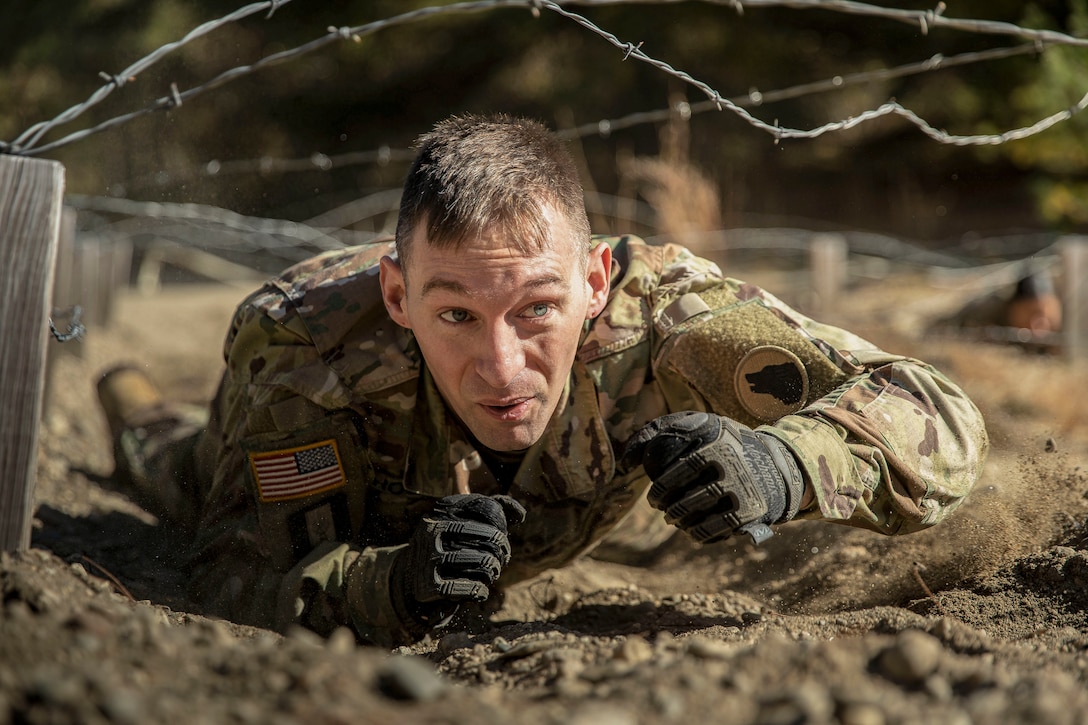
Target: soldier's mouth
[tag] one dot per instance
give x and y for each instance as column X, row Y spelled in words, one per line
column 513, row 410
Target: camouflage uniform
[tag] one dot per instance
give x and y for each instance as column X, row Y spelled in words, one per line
column 328, row 440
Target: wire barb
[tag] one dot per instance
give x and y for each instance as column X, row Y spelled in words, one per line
column 343, row 32
column 175, row 97
column 117, row 81
column 75, row 327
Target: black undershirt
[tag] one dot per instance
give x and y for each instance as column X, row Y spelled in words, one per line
column 502, row 464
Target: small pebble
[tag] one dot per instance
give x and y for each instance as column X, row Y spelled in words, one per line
column 453, row 642
column 341, row 641
column 912, row 658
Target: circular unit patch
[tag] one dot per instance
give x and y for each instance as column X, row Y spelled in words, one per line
column 771, row 382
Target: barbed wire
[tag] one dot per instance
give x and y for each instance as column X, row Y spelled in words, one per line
column 924, row 19
column 383, row 155
column 27, row 143
column 32, row 135
column 321, row 239
column 889, row 108
column 334, row 35
column 755, row 97
column 241, row 232
column 318, row 161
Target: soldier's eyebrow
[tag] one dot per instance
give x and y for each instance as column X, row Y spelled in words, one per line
column 436, row 284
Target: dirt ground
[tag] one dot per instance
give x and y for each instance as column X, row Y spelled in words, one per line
column 981, row 620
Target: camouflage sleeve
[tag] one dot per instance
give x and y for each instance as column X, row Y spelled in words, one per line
column 275, row 561
column 886, row 441
column 895, row 448
column 343, row 585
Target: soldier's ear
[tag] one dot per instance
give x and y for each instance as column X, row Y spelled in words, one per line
column 598, row 278
column 394, row 290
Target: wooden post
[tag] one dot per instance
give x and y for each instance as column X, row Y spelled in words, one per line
column 93, row 284
column 31, row 193
column 1074, row 253
column 118, row 273
column 828, row 258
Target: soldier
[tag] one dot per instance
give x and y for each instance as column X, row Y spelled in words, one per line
column 408, row 426
column 1029, row 315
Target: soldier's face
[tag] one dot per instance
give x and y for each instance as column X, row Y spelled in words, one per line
column 499, row 329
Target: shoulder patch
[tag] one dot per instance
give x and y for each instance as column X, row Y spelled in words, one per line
column 771, row 382
column 296, row 472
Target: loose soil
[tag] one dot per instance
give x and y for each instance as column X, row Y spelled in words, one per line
column 983, row 619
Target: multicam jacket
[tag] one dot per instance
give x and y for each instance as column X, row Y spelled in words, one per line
column 328, row 439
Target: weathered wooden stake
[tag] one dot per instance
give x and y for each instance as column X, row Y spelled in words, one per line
column 828, row 254
column 31, row 193
column 1074, row 253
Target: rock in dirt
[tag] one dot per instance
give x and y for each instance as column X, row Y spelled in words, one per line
column 912, row 658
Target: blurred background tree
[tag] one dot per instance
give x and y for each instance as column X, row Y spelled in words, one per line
column 394, row 84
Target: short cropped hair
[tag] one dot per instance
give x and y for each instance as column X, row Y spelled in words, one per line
column 474, row 174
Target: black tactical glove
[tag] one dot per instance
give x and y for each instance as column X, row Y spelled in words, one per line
column 713, row 476
column 455, row 554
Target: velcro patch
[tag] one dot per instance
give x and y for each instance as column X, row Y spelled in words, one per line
column 771, row 382
column 296, row 472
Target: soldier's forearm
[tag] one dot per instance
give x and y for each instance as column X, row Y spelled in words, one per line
column 896, row 450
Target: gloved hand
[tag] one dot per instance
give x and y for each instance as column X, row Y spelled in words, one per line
column 713, row 476
column 456, row 553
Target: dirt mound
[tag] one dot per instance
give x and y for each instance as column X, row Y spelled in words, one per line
column 983, row 619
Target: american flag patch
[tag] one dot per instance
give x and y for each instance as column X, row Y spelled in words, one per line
column 297, row 472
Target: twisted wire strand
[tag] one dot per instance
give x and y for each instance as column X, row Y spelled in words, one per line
column 28, row 142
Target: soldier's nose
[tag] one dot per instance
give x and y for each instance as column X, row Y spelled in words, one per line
column 501, row 357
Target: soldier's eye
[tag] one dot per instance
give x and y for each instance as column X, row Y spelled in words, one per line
column 455, row 315
column 540, row 309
